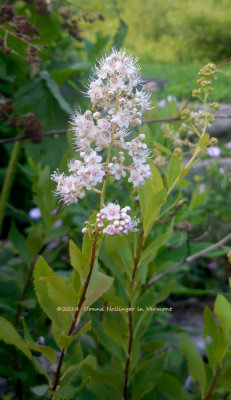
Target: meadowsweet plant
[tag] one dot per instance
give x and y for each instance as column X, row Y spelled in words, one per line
column 106, row 332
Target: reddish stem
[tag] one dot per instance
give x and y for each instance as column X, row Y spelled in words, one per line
column 137, row 258
column 72, row 327
column 213, row 383
column 125, row 391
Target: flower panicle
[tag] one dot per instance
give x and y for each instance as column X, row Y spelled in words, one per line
column 118, row 102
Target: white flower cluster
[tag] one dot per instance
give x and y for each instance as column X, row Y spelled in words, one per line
column 119, row 220
column 117, row 105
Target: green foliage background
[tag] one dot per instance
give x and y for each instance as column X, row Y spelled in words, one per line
column 172, row 39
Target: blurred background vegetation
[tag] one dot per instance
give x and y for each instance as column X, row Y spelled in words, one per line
column 174, row 38
column 47, row 52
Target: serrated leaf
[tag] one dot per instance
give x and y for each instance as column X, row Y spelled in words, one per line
column 43, row 270
column 61, row 291
column 195, row 363
column 100, row 285
column 78, row 261
column 10, row 336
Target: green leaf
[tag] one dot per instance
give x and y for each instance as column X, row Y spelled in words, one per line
column 147, row 376
column 62, row 75
column 19, row 243
column 40, row 390
column 203, row 140
column 216, row 341
column 195, row 363
column 74, row 364
column 98, row 287
column 35, row 239
column 170, row 387
column 10, row 336
column 106, row 341
column 151, row 250
column 61, row 291
column 96, row 48
column 45, row 350
column 198, row 198
column 152, row 196
column 36, row 97
column 120, row 35
column 162, row 148
column 64, row 341
column 48, row 25
column 115, row 325
column 106, row 378
column 54, row 89
column 184, row 183
column 67, row 392
column 43, row 188
column 152, row 210
column 43, row 270
column 116, row 254
column 174, row 170
column 222, row 309
column 28, row 303
column 78, row 261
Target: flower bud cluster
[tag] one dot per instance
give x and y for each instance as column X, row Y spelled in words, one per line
column 197, row 119
column 117, row 104
column 193, row 122
column 206, row 77
column 115, row 220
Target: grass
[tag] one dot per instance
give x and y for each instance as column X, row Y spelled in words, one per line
column 182, row 80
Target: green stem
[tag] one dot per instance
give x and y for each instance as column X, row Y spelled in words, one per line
column 189, row 164
column 206, row 116
column 102, row 198
column 8, row 182
column 107, row 161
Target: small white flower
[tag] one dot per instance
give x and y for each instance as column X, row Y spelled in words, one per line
column 110, row 230
column 111, row 211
